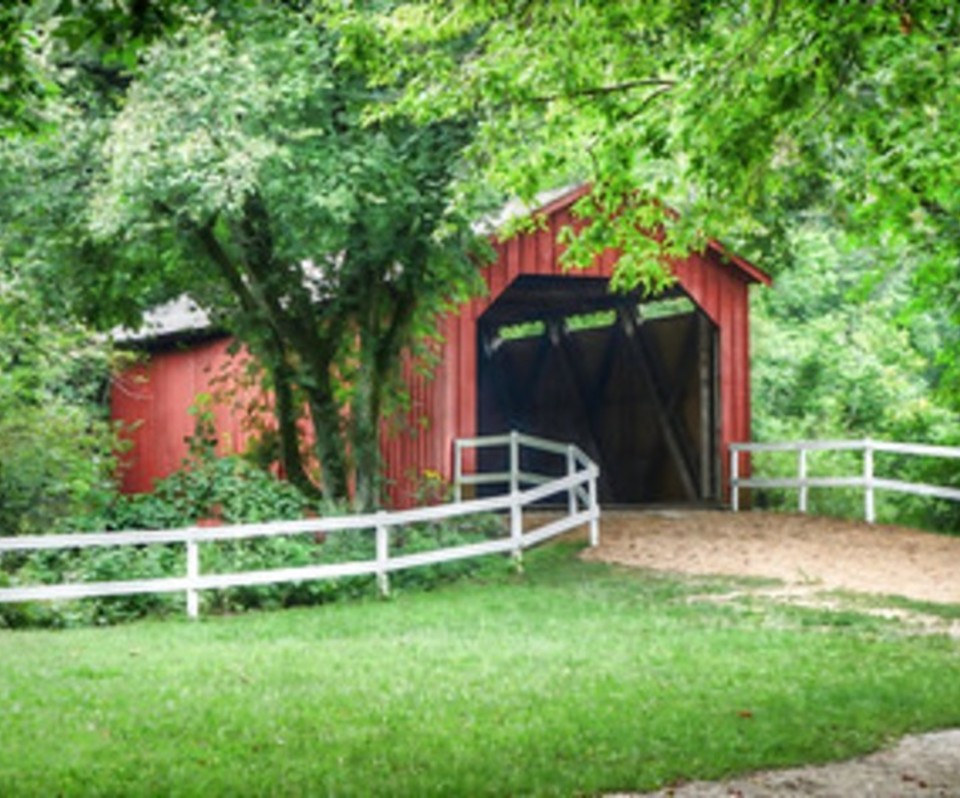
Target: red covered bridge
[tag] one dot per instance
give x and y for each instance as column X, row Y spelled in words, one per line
column 654, row 389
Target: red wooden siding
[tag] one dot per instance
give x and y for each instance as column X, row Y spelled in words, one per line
column 716, row 282
column 155, row 397
column 153, row 400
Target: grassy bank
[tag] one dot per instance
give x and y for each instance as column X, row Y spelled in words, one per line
column 572, row 678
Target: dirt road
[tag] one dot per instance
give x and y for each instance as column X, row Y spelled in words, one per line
column 797, row 549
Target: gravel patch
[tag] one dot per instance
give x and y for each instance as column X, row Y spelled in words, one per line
column 797, row 549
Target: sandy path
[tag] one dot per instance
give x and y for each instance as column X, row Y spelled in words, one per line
column 797, row 549
column 923, row 766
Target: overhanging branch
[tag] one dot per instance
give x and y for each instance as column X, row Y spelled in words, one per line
column 664, row 84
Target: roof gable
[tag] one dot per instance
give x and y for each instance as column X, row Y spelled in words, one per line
column 551, row 203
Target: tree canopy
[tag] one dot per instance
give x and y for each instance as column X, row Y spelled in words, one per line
column 748, row 118
column 234, row 165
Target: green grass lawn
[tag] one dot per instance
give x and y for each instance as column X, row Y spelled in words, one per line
column 572, row 678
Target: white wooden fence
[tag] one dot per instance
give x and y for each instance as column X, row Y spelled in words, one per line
column 866, row 479
column 579, row 487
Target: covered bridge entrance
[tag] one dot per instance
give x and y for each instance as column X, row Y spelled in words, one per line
column 653, row 389
column 633, row 383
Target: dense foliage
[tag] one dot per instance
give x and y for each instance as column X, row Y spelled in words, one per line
column 269, row 155
column 56, row 445
column 215, row 490
column 749, row 118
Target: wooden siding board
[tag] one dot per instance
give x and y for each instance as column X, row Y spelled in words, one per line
column 131, row 400
column 466, row 358
column 445, row 390
column 557, row 223
column 496, row 273
column 512, row 260
column 608, row 262
column 730, row 373
column 543, row 241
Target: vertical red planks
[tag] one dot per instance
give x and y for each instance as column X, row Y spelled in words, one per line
column 156, row 396
column 153, row 400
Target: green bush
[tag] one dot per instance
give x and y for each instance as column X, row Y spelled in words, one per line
column 229, row 490
column 56, row 465
column 94, row 565
column 57, row 447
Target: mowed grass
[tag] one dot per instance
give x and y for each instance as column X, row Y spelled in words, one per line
column 569, row 679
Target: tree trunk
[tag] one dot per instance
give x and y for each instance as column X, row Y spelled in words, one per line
column 368, row 400
column 287, row 415
column 328, row 443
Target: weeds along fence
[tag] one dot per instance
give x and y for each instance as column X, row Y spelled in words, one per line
column 576, row 490
column 866, row 479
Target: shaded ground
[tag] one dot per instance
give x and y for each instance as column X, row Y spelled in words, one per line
column 820, row 562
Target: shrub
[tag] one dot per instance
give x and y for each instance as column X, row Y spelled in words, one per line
column 230, row 490
column 56, row 444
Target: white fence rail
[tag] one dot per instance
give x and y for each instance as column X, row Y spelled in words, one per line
column 579, row 485
column 866, row 479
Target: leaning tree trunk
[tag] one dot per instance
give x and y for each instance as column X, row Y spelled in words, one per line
column 386, row 322
column 328, row 444
column 365, row 416
column 288, row 414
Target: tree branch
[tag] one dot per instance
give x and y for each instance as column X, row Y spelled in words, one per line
column 276, row 362
column 109, row 76
column 293, row 320
column 600, row 91
column 228, row 269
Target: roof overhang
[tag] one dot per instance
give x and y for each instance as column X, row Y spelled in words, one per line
column 177, row 319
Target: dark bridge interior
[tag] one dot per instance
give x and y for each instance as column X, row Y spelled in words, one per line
column 632, row 381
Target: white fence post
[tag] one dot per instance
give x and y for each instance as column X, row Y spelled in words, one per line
column 516, row 508
column 869, row 510
column 193, row 572
column 802, row 474
column 383, row 554
column 516, row 527
column 594, row 512
column 571, row 470
column 734, row 479
column 457, row 471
